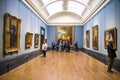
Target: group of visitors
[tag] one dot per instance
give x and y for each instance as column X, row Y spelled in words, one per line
column 63, row 46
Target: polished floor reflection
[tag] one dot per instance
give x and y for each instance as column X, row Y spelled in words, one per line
column 61, row 66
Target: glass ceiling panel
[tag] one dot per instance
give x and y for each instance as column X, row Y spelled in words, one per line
column 87, row 1
column 75, row 7
column 45, row 1
column 54, row 7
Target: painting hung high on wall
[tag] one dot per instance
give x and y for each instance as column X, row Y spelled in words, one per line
column 11, row 33
column 95, row 37
column 36, row 40
column 110, row 34
column 65, row 33
column 88, row 38
column 28, row 40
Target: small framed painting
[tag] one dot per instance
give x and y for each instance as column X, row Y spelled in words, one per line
column 28, row 40
column 36, row 40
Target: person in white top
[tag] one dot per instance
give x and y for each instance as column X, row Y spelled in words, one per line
column 44, row 48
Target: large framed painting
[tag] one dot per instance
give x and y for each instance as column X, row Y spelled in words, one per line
column 95, row 37
column 11, row 33
column 36, row 40
column 28, row 40
column 88, row 38
column 110, row 34
column 65, row 33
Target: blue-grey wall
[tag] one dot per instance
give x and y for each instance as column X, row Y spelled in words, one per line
column 78, row 35
column 29, row 23
column 51, row 35
column 107, row 18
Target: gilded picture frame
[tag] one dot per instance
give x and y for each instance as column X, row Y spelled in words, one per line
column 95, row 37
column 110, row 34
column 36, row 40
column 88, row 38
column 65, row 33
column 11, row 34
column 28, row 40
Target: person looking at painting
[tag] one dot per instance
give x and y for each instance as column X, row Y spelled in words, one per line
column 67, row 46
column 44, row 48
column 76, row 46
column 57, row 45
column 62, row 46
column 111, row 54
column 53, row 45
column 13, row 33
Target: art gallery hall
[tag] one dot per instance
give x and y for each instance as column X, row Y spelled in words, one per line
column 59, row 40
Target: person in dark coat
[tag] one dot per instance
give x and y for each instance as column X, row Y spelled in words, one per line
column 111, row 54
column 68, row 46
column 53, row 45
column 76, row 46
column 57, row 45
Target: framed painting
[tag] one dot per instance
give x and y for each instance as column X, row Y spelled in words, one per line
column 110, row 34
column 65, row 33
column 11, row 33
column 28, row 40
column 36, row 40
column 88, row 38
column 95, row 37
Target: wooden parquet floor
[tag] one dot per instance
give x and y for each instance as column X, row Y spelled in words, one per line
column 61, row 66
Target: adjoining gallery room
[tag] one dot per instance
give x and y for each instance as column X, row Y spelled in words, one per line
column 59, row 40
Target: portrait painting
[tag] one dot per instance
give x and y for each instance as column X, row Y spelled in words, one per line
column 110, row 34
column 88, row 38
column 36, row 40
column 28, row 40
column 11, row 33
column 65, row 33
column 95, row 37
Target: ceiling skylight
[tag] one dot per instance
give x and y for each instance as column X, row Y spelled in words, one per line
column 75, row 7
column 84, row 1
column 56, row 11
column 54, row 7
column 45, row 1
